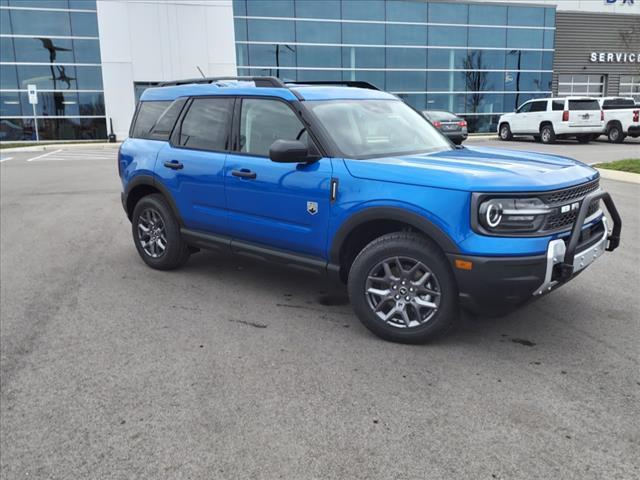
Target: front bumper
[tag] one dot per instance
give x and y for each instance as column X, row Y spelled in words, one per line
column 497, row 285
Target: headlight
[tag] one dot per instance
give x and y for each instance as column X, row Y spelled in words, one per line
column 518, row 215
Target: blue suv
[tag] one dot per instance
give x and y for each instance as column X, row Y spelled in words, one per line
column 350, row 181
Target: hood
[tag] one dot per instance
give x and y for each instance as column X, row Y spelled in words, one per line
column 476, row 169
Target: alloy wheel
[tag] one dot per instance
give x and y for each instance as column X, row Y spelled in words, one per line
column 403, row 292
column 151, row 233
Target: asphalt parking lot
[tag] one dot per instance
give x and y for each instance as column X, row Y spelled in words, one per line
column 230, row 368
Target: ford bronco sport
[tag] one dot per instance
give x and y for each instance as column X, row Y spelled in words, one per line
column 352, row 182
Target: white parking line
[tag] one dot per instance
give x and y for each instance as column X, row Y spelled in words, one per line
column 5, row 159
column 43, row 155
column 65, row 155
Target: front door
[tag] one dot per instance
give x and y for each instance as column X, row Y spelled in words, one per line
column 282, row 205
column 193, row 167
column 520, row 119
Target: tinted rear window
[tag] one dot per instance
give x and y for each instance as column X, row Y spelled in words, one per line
column 148, row 115
column 618, row 103
column 163, row 127
column 206, row 124
column 558, row 105
column 584, row 105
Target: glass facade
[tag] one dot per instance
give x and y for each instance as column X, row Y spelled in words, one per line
column 54, row 45
column 476, row 60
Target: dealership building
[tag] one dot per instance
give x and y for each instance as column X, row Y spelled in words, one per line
column 89, row 61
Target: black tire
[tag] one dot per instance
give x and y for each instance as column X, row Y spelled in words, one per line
column 536, row 138
column 615, row 134
column 505, row 132
column 407, row 246
column 176, row 252
column 547, row 134
column 583, row 138
column 457, row 141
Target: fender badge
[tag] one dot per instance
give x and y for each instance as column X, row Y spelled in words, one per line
column 312, row 208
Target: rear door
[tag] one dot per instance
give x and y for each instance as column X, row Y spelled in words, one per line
column 584, row 112
column 191, row 166
column 281, row 205
column 537, row 115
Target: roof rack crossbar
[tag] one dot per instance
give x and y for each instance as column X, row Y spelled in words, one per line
column 346, row 83
column 259, row 81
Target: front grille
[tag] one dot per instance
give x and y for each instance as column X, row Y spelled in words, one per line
column 560, row 197
column 561, row 220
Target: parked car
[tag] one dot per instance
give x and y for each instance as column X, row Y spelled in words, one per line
column 547, row 119
column 621, row 118
column 452, row 126
column 355, row 184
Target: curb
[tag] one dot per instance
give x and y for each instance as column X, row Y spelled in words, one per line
column 619, row 176
column 482, row 137
column 58, row 146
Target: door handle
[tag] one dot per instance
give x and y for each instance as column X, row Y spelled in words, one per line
column 174, row 165
column 248, row 174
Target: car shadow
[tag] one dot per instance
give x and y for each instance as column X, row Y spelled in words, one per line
column 300, row 290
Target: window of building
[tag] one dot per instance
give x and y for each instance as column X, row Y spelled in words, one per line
column 394, row 44
column 206, row 124
column 587, row 85
column 630, row 86
column 139, row 87
column 44, row 45
column 262, row 122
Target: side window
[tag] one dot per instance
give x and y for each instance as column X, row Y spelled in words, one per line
column 558, row 105
column 540, row 106
column 162, row 129
column 206, row 124
column 148, row 115
column 262, row 122
column 526, row 108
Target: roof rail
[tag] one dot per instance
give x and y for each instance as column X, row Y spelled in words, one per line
column 259, row 81
column 346, row 83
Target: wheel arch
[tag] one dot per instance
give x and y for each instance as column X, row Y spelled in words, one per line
column 364, row 226
column 143, row 185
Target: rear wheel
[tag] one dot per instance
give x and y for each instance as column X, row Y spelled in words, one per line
column 547, row 134
column 505, row 132
column 615, row 134
column 402, row 288
column 156, row 234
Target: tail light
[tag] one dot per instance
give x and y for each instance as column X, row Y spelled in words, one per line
column 462, row 123
column 565, row 116
column 437, row 124
column 636, row 115
column 602, row 115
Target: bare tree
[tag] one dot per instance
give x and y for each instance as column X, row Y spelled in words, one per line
column 475, row 79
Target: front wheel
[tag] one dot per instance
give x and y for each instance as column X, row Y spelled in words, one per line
column 156, row 234
column 402, row 288
column 505, row 132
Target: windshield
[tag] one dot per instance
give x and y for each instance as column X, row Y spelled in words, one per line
column 372, row 128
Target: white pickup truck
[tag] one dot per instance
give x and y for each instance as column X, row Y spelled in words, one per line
column 549, row 118
column 621, row 118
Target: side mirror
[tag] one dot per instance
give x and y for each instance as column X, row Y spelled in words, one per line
column 290, row 151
